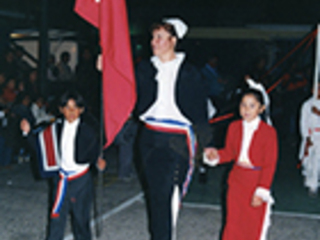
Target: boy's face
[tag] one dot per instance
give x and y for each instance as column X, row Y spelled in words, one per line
column 71, row 111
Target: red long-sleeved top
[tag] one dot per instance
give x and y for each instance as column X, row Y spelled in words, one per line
column 263, row 150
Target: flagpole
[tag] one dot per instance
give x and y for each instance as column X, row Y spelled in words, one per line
column 100, row 177
column 317, row 61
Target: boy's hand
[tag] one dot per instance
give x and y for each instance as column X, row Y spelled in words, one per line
column 101, row 164
column 99, row 62
column 25, row 126
column 256, row 201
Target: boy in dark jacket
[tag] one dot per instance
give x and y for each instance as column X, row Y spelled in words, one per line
column 67, row 148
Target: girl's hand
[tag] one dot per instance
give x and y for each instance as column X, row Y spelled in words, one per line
column 211, row 153
column 256, row 201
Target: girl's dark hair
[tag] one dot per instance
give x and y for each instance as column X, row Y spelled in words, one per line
column 166, row 26
column 72, row 95
column 257, row 95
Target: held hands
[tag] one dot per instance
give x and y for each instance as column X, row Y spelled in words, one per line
column 211, row 157
column 256, row 201
column 211, row 153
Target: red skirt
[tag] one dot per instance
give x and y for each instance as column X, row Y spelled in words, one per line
column 243, row 221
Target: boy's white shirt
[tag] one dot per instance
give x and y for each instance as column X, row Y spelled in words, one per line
column 68, row 162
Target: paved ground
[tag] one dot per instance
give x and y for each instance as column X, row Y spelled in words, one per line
column 23, row 206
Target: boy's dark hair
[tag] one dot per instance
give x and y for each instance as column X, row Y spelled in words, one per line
column 72, row 95
column 257, row 95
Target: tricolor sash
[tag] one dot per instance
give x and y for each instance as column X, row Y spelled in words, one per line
column 47, row 152
column 172, row 126
column 62, row 189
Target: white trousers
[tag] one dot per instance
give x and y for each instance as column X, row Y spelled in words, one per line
column 311, row 167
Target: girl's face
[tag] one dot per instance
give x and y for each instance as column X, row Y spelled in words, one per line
column 250, row 108
column 162, row 42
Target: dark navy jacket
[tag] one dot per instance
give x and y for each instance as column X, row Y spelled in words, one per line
column 86, row 143
column 87, row 147
column 191, row 96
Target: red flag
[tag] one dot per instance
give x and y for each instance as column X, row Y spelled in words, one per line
column 119, row 95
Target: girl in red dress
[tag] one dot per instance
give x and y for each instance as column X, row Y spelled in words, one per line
column 252, row 145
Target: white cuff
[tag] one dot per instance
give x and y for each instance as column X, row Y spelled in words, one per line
column 24, row 134
column 211, row 163
column 263, row 193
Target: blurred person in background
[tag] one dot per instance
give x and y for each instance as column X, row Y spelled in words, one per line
column 64, row 70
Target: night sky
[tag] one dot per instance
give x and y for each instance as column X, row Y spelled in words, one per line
column 196, row 12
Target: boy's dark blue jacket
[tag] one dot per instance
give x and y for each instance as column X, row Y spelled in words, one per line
column 87, row 146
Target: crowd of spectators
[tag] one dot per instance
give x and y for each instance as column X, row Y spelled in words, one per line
column 21, row 96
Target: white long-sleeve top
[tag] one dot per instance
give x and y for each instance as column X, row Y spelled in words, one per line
column 248, row 130
column 165, row 106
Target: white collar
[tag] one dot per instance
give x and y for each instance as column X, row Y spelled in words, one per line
column 179, row 57
column 253, row 124
column 72, row 124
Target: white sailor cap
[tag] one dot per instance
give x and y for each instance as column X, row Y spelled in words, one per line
column 179, row 26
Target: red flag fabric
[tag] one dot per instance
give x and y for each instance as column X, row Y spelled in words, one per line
column 119, row 94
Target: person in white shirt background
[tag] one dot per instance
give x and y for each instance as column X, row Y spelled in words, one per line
column 310, row 144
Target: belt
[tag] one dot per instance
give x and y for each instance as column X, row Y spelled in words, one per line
column 62, row 189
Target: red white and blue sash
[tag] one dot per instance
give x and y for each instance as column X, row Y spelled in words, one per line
column 176, row 127
column 62, row 189
column 49, row 165
column 47, row 152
